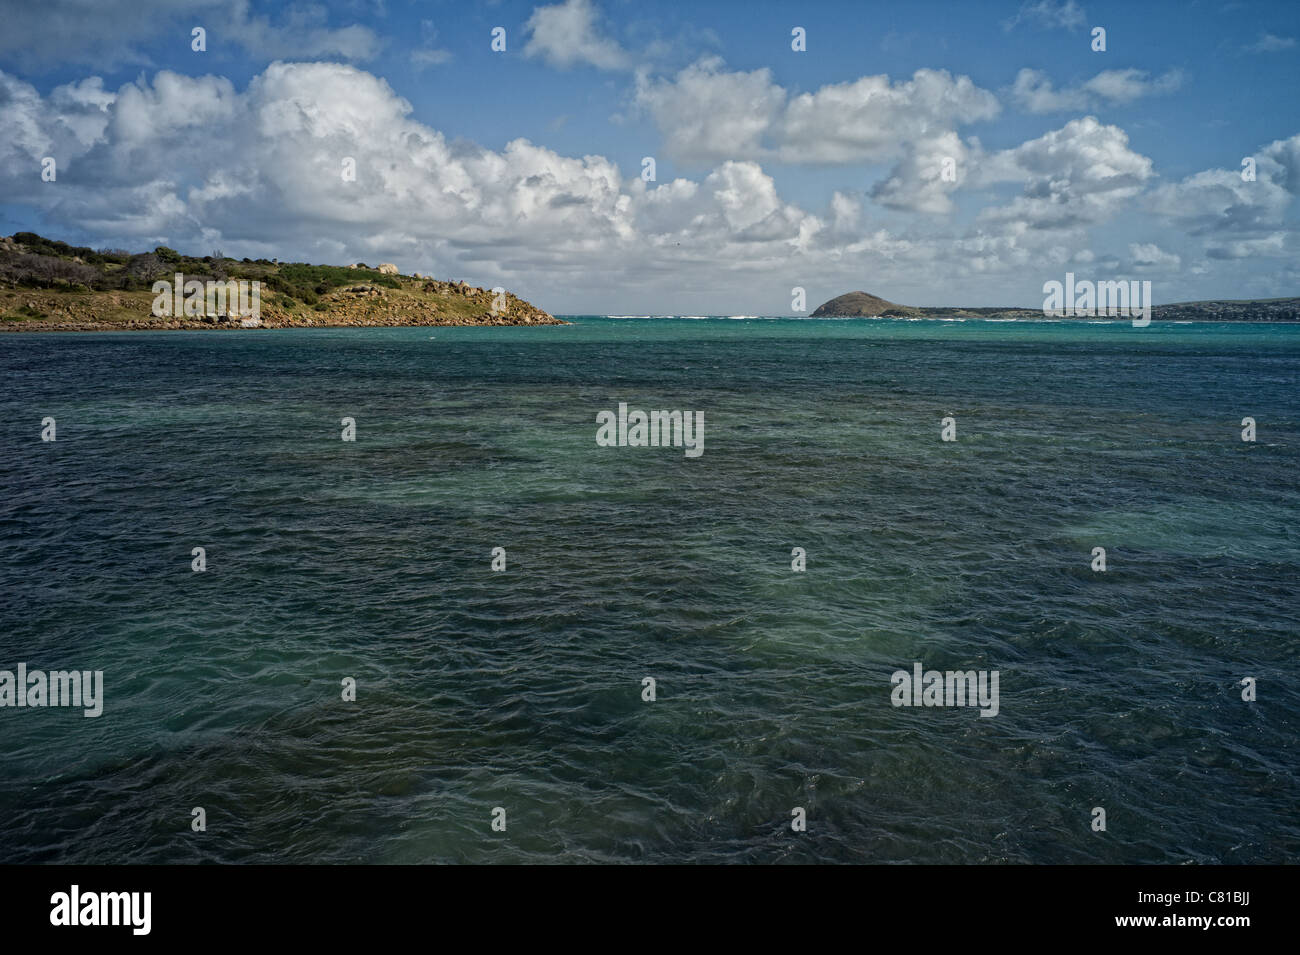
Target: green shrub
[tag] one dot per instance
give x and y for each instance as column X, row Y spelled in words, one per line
column 319, row 276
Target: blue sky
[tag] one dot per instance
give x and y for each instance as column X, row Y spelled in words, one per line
column 775, row 169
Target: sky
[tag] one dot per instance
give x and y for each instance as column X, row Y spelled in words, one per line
column 956, row 153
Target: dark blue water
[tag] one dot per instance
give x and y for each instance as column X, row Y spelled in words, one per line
column 522, row 689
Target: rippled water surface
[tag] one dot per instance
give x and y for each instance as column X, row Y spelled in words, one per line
column 522, row 689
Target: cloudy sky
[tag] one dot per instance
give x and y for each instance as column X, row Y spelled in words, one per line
column 773, row 168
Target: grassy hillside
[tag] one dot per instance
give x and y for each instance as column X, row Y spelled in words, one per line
column 47, row 284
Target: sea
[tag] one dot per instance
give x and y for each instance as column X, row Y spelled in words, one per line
column 473, row 634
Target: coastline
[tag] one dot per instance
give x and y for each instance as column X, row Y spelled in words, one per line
column 48, row 285
column 412, row 302
column 172, row 325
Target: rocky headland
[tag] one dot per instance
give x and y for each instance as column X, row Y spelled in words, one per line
column 47, row 285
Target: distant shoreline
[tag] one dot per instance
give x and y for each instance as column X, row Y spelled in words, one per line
column 866, row 305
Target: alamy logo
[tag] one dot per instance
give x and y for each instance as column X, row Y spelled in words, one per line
column 950, row 688
column 1089, row 299
column 103, row 908
column 83, row 688
column 658, row 429
column 234, row 298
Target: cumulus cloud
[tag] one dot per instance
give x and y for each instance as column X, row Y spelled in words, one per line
column 568, row 34
column 1147, row 256
column 1081, row 174
column 146, row 170
column 1219, row 200
column 872, row 119
column 1124, row 86
column 1034, row 93
column 83, row 108
column 26, row 135
column 707, row 113
column 918, row 183
column 1274, row 245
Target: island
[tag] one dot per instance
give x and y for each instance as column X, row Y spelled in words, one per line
column 48, row 285
column 866, row 305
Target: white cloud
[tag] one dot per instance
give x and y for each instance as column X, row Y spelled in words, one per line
column 1148, row 256
column 427, row 54
column 706, row 113
column 871, row 119
column 846, row 213
column 1219, row 200
column 1081, row 174
column 83, row 108
column 1270, row 43
column 423, row 58
column 1274, row 245
column 1124, row 86
column 1281, row 162
column 1034, row 92
column 918, row 183
column 1064, row 15
column 568, row 34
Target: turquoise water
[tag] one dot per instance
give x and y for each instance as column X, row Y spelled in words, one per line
column 522, row 689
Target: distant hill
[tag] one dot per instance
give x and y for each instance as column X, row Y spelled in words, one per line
column 862, row 304
column 46, row 284
column 866, row 305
